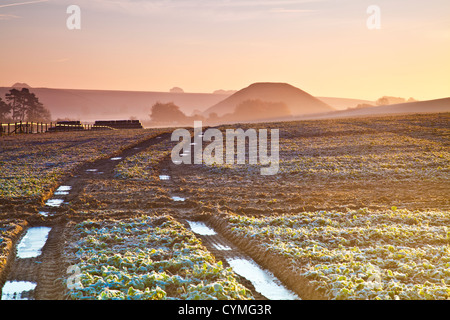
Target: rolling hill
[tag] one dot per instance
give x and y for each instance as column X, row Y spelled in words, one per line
column 344, row 103
column 90, row 105
column 429, row 106
column 298, row 101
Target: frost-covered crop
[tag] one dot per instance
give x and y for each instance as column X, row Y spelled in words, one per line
column 136, row 259
column 396, row 254
column 31, row 164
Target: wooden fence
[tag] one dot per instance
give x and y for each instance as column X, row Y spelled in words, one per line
column 41, row 127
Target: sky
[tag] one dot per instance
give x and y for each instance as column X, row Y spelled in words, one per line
column 321, row 46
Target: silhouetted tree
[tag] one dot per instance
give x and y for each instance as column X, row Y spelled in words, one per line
column 384, row 101
column 213, row 117
column 5, row 109
column 24, row 105
column 35, row 110
column 15, row 99
column 167, row 113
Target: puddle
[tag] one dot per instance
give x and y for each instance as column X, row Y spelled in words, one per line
column 263, row 281
column 63, row 190
column 44, row 213
column 178, row 199
column 201, row 228
column 61, row 193
column 221, row 247
column 31, row 244
column 116, row 159
column 54, row 202
column 91, row 170
column 164, row 177
column 14, row 290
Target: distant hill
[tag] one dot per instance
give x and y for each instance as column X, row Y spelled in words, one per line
column 90, row 105
column 344, row 103
column 19, row 85
column 429, row 106
column 227, row 92
column 298, row 101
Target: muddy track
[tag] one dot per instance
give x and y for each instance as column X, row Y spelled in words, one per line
column 104, row 168
column 49, row 287
column 43, row 270
column 282, row 267
column 218, row 244
column 47, row 270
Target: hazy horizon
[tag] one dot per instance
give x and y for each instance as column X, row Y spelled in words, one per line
column 322, row 47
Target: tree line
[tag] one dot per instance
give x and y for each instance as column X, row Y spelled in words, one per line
column 22, row 105
column 246, row 111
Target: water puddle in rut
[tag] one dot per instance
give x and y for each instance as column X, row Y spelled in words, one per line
column 263, row 281
column 14, row 290
column 63, row 190
column 201, row 228
column 54, row 203
column 32, row 243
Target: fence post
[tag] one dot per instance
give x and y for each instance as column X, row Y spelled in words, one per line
column 9, row 128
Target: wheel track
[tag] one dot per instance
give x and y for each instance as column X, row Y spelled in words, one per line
column 48, row 270
column 48, row 286
column 219, row 246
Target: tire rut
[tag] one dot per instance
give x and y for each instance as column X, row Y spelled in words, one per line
column 222, row 249
column 47, row 270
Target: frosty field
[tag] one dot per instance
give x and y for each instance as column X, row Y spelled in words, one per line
column 358, row 210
